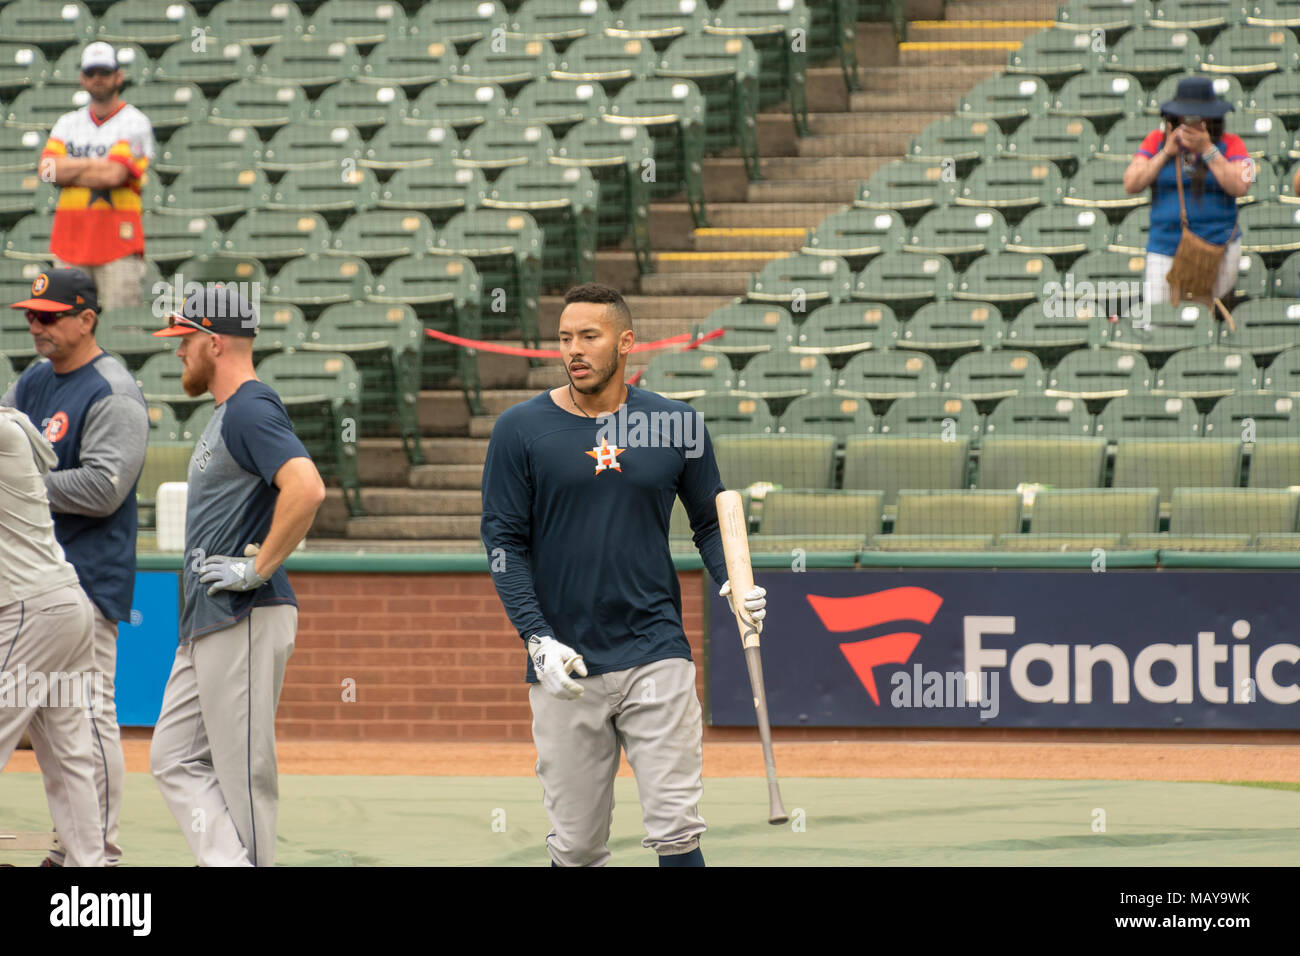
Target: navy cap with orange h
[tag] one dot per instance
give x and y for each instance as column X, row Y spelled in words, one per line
column 61, row 290
column 214, row 308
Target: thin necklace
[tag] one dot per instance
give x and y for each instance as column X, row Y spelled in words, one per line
column 575, row 401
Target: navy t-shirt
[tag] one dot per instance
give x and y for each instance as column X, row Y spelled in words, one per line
column 232, row 496
column 577, row 532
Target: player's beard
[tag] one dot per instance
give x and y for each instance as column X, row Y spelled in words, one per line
column 598, row 378
column 196, row 377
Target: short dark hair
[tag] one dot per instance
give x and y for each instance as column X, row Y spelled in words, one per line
column 599, row 294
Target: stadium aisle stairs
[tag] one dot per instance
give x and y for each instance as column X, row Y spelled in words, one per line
column 904, row 87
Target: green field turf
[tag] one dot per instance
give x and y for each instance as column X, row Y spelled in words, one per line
column 500, row 821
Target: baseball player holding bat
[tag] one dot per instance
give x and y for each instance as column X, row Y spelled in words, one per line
column 576, row 530
column 253, row 493
column 45, row 628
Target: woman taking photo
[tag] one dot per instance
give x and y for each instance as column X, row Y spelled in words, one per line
column 1215, row 171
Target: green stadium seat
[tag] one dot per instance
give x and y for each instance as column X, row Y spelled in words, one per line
column 1211, row 15
column 1051, row 333
column 609, row 61
column 29, row 21
column 306, row 146
column 1265, row 136
column 211, row 67
column 908, row 187
column 1266, row 186
column 1115, row 279
column 1055, row 55
column 170, row 106
column 1013, row 185
column 312, row 63
column 437, row 191
column 1061, row 233
column 280, row 328
column 459, row 22
column 17, row 195
column 821, row 515
column 1130, row 235
column 321, row 391
column 1151, row 53
column 404, row 145
column 1060, row 543
column 1283, row 373
column 366, row 106
column 1265, row 326
column 1226, row 87
column 228, row 267
column 958, row 139
column 734, row 415
column 462, row 106
column 558, row 104
column 618, row 158
column 802, row 281
column 129, row 333
column 38, row 107
column 843, row 418
column 1167, row 328
column 1109, row 16
column 255, row 22
column 29, row 238
column 494, row 147
column 1168, row 541
column 1277, row 94
column 378, row 235
column 410, row 62
column 22, row 65
column 958, row 512
column 562, row 200
column 1275, row 463
column 385, row 342
column 506, row 62
column 687, row 375
column 261, row 106
column 1253, row 278
column 1099, row 184
column 773, row 375
column 832, row 33
column 726, row 71
column 790, row 461
column 215, row 192
column 958, row 233
column 176, row 238
column 933, row 542
column 325, row 190
column 357, row 21
column 1125, row 137
column 132, row 60
column 855, row 235
column 985, row 376
column 939, row 416
column 270, row 235
column 888, row 374
column 1099, row 373
column 1006, row 99
column 1197, row 511
column 1149, row 416
column 751, row 328
column 16, row 346
column 951, row 327
column 160, row 380
column 1039, row 416
column 197, row 422
column 846, row 328
column 1100, row 97
column 1007, row 461
column 1250, row 52
column 445, row 293
column 1095, row 511
column 672, row 112
column 1006, row 277
column 1206, row 372
column 505, row 247
column 207, row 146
column 1270, row 229
column 163, row 425
column 1176, row 463
column 315, row 281
column 19, row 149
column 164, row 461
column 151, row 23
column 1247, row 415
column 778, row 29
column 660, row 21
column 1272, row 13
column 559, row 22
column 905, row 280
column 1065, row 141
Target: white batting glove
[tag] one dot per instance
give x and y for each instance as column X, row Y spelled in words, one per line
column 755, row 608
column 553, row 661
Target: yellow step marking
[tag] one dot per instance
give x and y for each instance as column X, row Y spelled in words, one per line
column 738, row 231
column 717, row 256
column 940, row 45
column 981, row 24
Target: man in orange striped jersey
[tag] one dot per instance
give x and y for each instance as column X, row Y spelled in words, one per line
column 98, row 154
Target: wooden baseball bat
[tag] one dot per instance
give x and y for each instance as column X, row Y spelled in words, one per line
column 735, row 547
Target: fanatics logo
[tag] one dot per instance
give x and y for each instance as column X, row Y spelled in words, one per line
column 606, row 456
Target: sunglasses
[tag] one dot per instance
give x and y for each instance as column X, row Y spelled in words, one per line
column 174, row 320
column 97, row 71
column 47, row 318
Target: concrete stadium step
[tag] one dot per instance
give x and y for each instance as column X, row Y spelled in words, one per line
column 450, row 451
column 671, row 263
column 913, row 81
column 999, row 29
column 883, row 141
column 999, row 10
column 449, row 477
column 442, row 412
column 413, row 527
column 875, row 42
column 480, row 426
column 673, row 229
column 942, row 101
column 750, row 239
column 823, row 168
column 874, row 120
column 653, row 317
column 992, row 53
column 806, row 190
column 388, row 546
column 388, row 502
column 695, row 283
column 553, row 376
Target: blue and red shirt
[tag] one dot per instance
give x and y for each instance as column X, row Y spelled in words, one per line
column 1212, row 214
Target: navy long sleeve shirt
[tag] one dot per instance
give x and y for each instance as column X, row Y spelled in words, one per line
column 576, row 525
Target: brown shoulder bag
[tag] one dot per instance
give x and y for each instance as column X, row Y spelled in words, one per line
column 1196, row 264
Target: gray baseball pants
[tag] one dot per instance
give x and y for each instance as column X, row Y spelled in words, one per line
column 213, row 750
column 652, row 713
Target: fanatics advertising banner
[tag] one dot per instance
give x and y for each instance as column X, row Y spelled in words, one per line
column 921, row 648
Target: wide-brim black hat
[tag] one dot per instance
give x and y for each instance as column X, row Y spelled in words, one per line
column 1195, row 96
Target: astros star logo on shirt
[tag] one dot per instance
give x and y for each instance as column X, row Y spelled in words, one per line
column 606, row 456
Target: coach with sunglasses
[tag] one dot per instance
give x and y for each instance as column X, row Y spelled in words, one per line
column 89, row 408
column 98, row 155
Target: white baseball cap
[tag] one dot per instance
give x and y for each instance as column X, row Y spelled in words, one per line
column 99, row 54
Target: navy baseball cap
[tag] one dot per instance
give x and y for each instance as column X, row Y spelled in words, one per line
column 59, row 290
column 217, row 309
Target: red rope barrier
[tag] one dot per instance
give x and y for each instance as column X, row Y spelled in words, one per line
column 500, row 349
